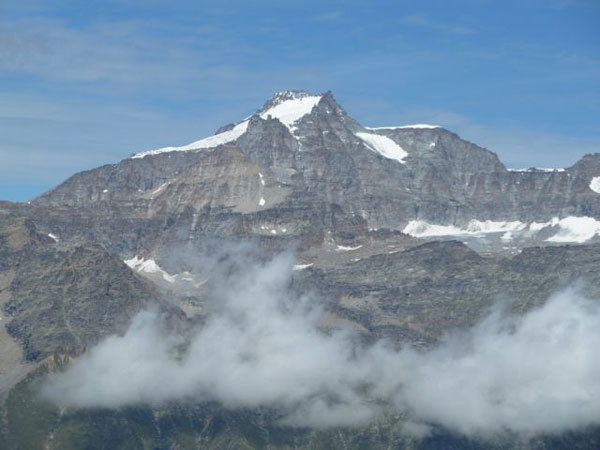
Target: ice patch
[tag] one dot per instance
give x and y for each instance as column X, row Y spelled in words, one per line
column 595, row 184
column 209, row 142
column 384, row 146
column 140, row 264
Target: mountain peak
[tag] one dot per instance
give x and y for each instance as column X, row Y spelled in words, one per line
column 289, row 107
column 285, row 96
column 286, row 106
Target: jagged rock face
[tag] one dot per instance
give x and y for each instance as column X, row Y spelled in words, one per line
column 418, row 294
column 60, row 299
column 301, row 164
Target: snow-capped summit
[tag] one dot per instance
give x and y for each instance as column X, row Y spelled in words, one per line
column 285, row 96
column 206, row 143
column 286, row 106
column 289, row 107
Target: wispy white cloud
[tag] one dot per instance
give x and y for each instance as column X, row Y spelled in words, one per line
column 128, row 55
column 564, row 4
column 261, row 347
column 424, row 21
column 331, row 16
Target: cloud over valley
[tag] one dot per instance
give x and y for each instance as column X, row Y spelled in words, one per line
column 261, row 346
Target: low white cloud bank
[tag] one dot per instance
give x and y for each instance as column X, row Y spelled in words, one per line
column 261, row 347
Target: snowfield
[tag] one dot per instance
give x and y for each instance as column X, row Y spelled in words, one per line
column 567, row 230
column 384, row 146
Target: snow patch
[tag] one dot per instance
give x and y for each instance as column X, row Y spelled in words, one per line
column 490, row 226
column 261, row 202
column 422, row 229
column 159, row 189
column 419, row 228
column 342, row 248
column 538, row 226
column 302, row 266
column 595, row 184
column 576, row 229
column 288, row 112
column 384, row 146
column 262, row 179
column 52, row 236
column 105, row 191
column 537, row 169
column 149, row 266
column 209, row 142
column 423, row 126
column 569, row 229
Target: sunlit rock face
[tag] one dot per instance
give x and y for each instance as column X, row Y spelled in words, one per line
column 302, row 164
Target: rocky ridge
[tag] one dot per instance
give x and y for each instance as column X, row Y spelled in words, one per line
column 302, row 165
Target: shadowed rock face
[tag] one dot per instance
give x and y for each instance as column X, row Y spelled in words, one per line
column 320, row 185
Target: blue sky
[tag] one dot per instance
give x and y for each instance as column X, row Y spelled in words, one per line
column 85, row 83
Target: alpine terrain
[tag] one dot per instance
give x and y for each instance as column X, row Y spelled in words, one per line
column 299, row 280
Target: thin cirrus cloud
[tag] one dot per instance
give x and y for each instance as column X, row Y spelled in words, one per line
column 331, row 16
column 423, row 21
column 134, row 52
